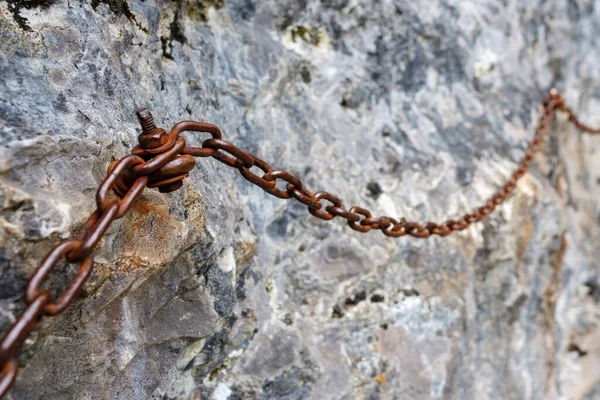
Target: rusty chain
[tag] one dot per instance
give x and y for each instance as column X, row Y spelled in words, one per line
column 163, row 160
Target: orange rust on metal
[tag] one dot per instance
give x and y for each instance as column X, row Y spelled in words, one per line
column 151, row 136
column 163, row 160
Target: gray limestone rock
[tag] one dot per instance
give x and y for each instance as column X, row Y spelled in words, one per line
column 218, row 291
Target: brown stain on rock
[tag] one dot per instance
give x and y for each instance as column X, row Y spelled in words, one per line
column 147, row 218
column 144, row 207
column 557, row 264
column 550, row 297
column 149, row 237
column 523, row 237
column 130, row 264
column 155, row 236
column 244, row 251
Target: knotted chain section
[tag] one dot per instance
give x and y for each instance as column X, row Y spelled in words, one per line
column 157, row 162
column 163, row 160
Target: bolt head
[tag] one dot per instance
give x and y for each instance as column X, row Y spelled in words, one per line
column 153, row 140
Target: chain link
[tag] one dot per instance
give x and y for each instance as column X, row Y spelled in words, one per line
column 77, row 250
column 163, row 160
column 360, row 219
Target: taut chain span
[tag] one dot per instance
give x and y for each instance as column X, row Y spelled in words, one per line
column 163, row 160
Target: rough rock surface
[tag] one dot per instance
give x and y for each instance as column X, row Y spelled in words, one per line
column 414, row 109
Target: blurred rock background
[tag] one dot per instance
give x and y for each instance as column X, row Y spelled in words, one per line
column 413, row 109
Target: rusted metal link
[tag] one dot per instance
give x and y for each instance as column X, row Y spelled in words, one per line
column 79, row 249
column 259, row 181
column 8, row 375
column 91, row 233
column 340, row 212
column 33, row 290
column 304, row 196
column 377, row 223
column 360, row 227
column 326, row 216
column 116, row 170
column 284, row 176
column 236, row 158
column 163, row 160
column 17, row 334
column 243, row 161
column 158, row 161
column 170, row 176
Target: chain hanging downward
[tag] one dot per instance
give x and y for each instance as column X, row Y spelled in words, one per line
column 163, row 160
column 359, row 218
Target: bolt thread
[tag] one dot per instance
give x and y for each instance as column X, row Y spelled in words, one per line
column 147, row 121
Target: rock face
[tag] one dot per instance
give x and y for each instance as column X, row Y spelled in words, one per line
column 218, row 290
